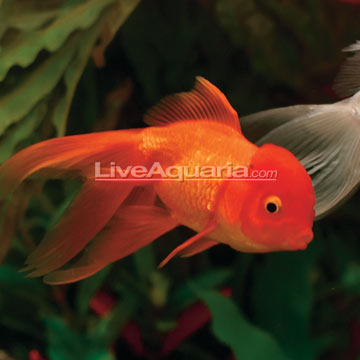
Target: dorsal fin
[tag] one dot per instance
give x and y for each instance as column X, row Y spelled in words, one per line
column 204, row 102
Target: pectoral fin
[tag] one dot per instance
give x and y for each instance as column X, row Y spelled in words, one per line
column 192, row 246
column 198, row 247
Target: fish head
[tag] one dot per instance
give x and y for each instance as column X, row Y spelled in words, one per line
column 274, row 207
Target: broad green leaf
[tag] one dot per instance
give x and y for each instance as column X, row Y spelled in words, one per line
column 65, row 343
column 184, row 295
column 231, row 328
column 110, row 326
column 88, row 287
column 29, row 43
column 10, row 277
column 21, row 131
column 282, row 300
column 145, row 262
column 39, row 83
column 71, row 78
column 21, row 302
column 109, row 24
column 68, row 31
column 29, row 20
column 65, row 204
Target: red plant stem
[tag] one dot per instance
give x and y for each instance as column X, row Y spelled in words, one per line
column 354, row 349
column 190, row 320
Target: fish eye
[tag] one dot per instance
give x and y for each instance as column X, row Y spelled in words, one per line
column 272, row 204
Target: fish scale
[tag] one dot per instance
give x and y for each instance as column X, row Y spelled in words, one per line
column 192, row 202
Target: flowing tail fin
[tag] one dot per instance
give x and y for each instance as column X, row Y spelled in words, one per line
column 131, row 228
column 77, row 153
column 96, row 203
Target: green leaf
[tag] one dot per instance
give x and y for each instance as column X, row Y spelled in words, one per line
column 230, row 327
column 110, row 326
column 11, row 278
column 184, row 295
column 21, row 131
column 87, row 288
column 120, row 11
column 145, row 262
column 15, row 104
column 56, row 216
column 282, row 300
column 71, row 78
column 29, row 43
column 65, row 343
column 21, row 301
column 68, row 32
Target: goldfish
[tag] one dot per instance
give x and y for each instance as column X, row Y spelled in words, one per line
column 325, row 138
column 120, row 208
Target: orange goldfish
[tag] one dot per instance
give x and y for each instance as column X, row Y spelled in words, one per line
column 112, row 219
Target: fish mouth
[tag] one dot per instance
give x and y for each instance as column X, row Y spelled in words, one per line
column 301, row 241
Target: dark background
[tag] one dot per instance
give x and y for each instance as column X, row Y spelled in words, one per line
column 261, row 54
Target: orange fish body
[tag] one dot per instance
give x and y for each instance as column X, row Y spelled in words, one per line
column 193, row 202
column 198, row 131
